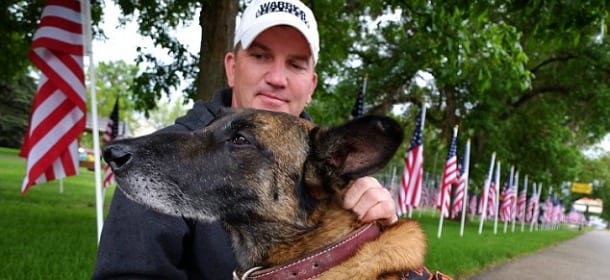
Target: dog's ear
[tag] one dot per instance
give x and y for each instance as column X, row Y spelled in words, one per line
column 359, row 147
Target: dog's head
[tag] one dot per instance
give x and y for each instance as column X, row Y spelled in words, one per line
column 250, row 166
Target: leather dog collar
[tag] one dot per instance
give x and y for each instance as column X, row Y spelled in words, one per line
column 318, row 261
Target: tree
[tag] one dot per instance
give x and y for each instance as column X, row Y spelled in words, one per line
column 528, row 80
column 15, row 106
column 113, row 80
column 167, row 113
column 18, row 20
column 217, row 20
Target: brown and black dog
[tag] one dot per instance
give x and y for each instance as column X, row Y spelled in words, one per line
column 276, row 183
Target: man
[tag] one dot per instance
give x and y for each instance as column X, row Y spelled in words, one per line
column 271, row 68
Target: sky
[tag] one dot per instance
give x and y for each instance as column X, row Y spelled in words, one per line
column 122, row 41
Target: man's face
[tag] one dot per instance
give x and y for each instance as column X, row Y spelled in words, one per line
column 275, row 73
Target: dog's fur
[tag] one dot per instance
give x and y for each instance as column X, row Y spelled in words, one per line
column 276, row 183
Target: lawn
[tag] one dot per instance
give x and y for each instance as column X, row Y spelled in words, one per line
column 51, row 235
column 46, row 234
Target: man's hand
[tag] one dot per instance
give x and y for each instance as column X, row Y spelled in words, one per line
column 370, row 201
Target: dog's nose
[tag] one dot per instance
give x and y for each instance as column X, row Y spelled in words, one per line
column 116, row 155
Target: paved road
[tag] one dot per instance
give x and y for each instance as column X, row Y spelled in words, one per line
column 584, row 257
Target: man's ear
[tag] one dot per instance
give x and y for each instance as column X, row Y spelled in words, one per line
column 230, row 68
column 359, row 147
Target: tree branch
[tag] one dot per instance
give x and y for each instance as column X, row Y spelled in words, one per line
column 553, row 59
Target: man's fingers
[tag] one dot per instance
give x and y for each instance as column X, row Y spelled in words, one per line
column 356, row 191
column 383, row 211
column 370, row 201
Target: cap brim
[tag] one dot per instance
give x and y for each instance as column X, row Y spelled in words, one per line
column 263, row 24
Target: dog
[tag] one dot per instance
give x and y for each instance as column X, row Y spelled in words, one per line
column 276, row 182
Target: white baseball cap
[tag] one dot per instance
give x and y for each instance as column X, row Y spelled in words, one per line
column 263, row 14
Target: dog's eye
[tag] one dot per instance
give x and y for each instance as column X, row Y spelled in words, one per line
column 240, row 140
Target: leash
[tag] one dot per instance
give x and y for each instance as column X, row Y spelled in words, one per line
column 316, row 262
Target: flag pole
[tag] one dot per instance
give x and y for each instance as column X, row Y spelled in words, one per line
column 497, row 198
column 467, row 174
column 486, row 192
column 99, row 201
column 514, row 211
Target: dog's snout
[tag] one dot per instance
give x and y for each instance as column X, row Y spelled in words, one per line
column 116, row 155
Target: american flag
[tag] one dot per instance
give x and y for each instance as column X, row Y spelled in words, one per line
column 536, row 210
column 547, row 216
column 490, row 196
column 58, row 114
column 531, row 204
column 460, row 191
column 409, row 195
column 458, row 199
column 472, row 205
column 484, row 194
column 492, row 201
column 575, row 218
column 425, row 194
column 450, row 175
column 358, row 109
column 521, row 204
column 112, row 131
column 558, row 215
column 508, row 203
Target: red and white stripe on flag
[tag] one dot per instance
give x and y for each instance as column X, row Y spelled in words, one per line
column 521, row 203
column 450, row 175
column 110, row 134
column 507, row 211
column 58, row 114
column 409, row 195
column 458, row 200
column 107, row 137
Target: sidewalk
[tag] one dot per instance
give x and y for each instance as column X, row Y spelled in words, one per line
column 584, row 257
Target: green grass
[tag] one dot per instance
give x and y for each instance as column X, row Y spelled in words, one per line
column 462, row 257
column 46, row 234
column 51, row 235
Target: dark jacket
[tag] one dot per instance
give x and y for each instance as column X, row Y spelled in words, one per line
column 139, row 243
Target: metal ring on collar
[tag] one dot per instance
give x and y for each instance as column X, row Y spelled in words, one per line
column 246, row 274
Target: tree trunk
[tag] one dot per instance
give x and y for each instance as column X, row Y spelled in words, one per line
column 217, row 20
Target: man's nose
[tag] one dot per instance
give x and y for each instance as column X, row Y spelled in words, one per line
column 276, row 75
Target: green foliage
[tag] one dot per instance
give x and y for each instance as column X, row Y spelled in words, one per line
column 113, row 80
column 528, row 80
column 525, row 80
column 166, row 113
column 157, row 21
column 17, row 24
column 18, row 20
column 15, row 105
